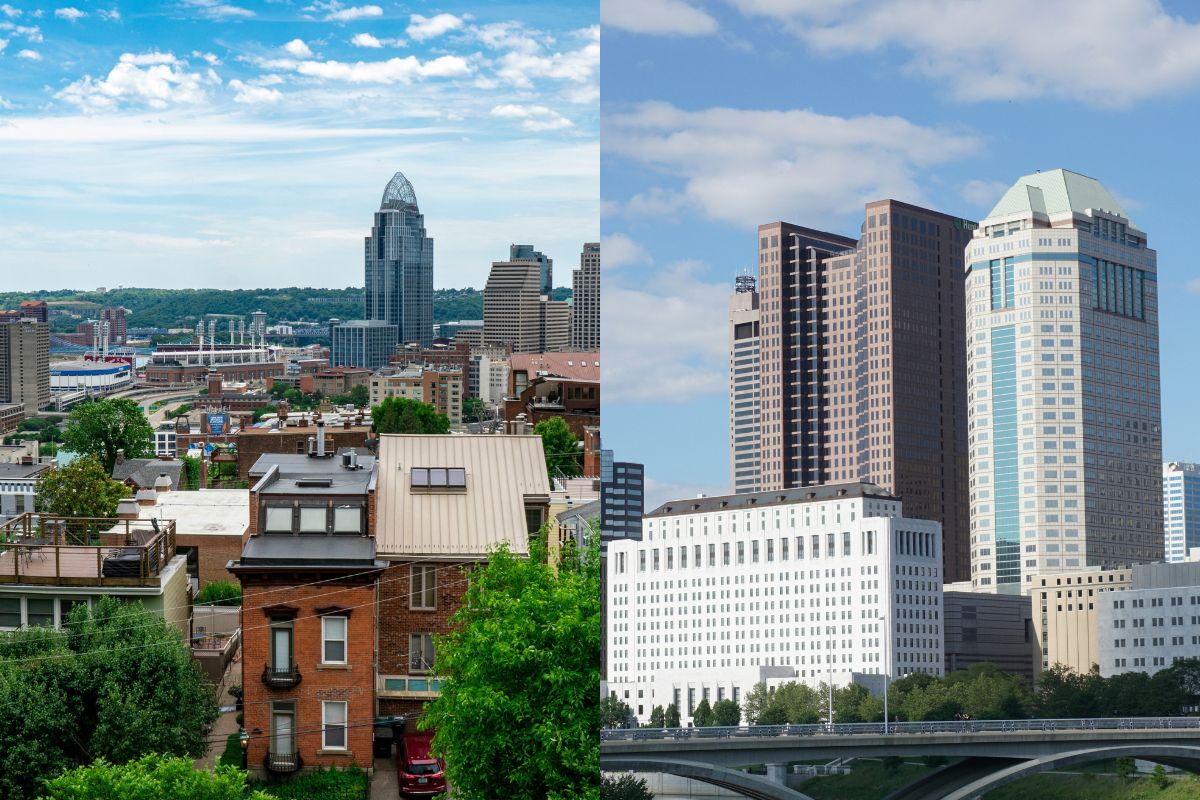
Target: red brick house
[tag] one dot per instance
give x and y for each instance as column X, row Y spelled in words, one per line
column 308, row 572
column 442, row 503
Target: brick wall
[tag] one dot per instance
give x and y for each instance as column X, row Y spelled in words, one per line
column 354, row 683
column 214, row 552
column 251, row 445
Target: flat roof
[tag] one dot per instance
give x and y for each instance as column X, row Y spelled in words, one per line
column 18, row 471
column 806, row 494
column 213, row 512
column 282, row 550
column 296, row 466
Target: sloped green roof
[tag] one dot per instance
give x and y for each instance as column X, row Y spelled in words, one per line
column 1057, row 191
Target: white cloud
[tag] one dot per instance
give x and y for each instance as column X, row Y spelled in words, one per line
column 3, row 44
column 661, row 17
column 338, row 13
column 164, row 81
column 1135, row 49
column 32, row 55
column 685, row 316
column 298, row 48
column 69, row 13
column 421, row 28
column 983, row 194
column 367, row 40
column 214, row 9
column 254, row 95
column 112, row 16
column 9, row 11
column 749, row 167
column 6, row 105
column 211, row 58
column 394, row 70
column 580, row 66
column 31, row 33
column 511, row 36
column 618, row 250
column 533, row 118
column 655, row 202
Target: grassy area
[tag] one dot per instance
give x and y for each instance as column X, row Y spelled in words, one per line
column 233, row 751
column 869, row 781
column 1095, row 787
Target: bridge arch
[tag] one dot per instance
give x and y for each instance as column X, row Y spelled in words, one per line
column 745, row 784
column 1181, row 756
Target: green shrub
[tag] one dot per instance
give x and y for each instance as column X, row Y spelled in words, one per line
column 220, row 593
column 331, row 784
column 232, row 757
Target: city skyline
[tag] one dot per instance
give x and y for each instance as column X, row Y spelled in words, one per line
column 700, row 149
column 270, row 129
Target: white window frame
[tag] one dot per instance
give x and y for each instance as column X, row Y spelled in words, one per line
column 279, row 510
column 420, row 577
column 325, row 726
column 325, row 638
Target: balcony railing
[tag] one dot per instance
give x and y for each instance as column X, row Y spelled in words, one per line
column 283, row 762
column 281, row 678
column 84, row 551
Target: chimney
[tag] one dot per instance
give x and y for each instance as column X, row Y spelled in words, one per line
column 320, row 438
column 121, row 455
column 162, row 484
column 281, row 410
column 127, row 508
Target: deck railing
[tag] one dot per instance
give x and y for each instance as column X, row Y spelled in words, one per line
column 84, row 551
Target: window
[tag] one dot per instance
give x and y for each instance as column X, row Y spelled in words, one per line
column 312, row 519
column 283, row 728
column 533, row 518
column 423, row 594
column 333, row 640
column 420, row 652
column 10, row 612
column 39, row 611
column 333, row 734
column 281, row 646
column 420, row 476
column 278, row 519
column 347, row 519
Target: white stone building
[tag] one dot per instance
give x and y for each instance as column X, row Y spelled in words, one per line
column 1153, row 623
column 802, row 584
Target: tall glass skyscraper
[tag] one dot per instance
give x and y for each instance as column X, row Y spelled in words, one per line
column 1181, row 509
column 1064, row 419
column 399, row 265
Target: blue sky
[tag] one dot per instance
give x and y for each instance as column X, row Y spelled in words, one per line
column 247, row 144
column 722, row 114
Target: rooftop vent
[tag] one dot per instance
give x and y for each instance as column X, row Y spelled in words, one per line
column 315, row 483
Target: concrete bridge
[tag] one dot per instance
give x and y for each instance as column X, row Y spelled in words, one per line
column 992, row 752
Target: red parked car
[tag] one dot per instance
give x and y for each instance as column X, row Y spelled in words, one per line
column 420, row 774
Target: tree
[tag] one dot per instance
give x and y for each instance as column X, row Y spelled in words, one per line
column 1159, row 776
column 117, row 682
column 405, row 415
column 624, row 787
column 757, row 699
column 473, row 410
column 658, row 718
column 854, row 703
column 518, row 678
column 83, row 488
column 614, row 713
column 151, row 777
column 220, row 593
column 726, row 713
column 102, row 427
column 191, row 472
column 773, row 714
column 671, row 716
column 702, row 717
column 802, row 704
column 360, row 396
column 1124, row 767
column 560, row 445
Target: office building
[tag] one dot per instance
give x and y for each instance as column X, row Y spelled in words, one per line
column 1153, row 623
column 525, row 252
column 622, row 498
column 820, row 584
column 1066, row 615
column 35, row 310
column 517, row 313
column 585, row 296
column 989, row 628
column 1181, row 509
column 745, row 444
column 442, row 388
column 25, row 364
column 365, row 343
column 1062, row 372
column 118, row 327
column 862, row 365
column 399, row 266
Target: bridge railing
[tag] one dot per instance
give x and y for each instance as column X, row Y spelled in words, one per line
column 905, row 728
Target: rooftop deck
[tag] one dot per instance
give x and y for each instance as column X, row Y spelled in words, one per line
column 37, row 549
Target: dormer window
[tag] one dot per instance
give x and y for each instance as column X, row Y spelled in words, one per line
column 435, row 478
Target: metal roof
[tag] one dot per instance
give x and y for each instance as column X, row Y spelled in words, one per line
column 745, row 502
column 502, row 472
column 273, row 550
column 1056, row 192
